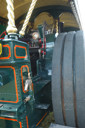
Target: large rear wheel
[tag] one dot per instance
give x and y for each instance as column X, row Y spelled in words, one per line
column 68, row 79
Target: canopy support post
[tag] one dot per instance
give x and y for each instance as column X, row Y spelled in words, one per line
column 22, row 32
column 11, row 28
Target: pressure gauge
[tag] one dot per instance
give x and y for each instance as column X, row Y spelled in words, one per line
column 35, row 35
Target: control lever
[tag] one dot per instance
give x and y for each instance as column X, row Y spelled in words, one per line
column 28, row 83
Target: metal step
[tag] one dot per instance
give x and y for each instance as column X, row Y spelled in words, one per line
column 42, row 106
column 58, row 126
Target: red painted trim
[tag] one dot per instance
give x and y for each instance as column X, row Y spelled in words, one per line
column 32, row 87
column 15, row 84
column 20, row 57
column 27, row 122
column 3, row 33
column 22, row 77
column 20, row 124
column 41, row 119
column 9, row 52
column 3, row 118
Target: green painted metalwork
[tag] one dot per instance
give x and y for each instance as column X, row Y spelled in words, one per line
column 14, row 67
column 2, row 28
